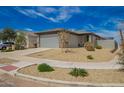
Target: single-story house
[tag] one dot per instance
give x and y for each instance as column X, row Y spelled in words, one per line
column 52, row 39
column 74, row 39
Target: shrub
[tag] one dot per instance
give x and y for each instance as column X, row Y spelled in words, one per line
column 78, row 72
column 89, row 46
column 90, row 57
column 98, row 47
column 44, row 68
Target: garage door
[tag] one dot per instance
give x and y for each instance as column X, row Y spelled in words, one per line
column 49, row 41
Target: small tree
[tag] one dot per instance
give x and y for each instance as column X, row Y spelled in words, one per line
column 20, row 40
column 8, row 34
column 64, row 40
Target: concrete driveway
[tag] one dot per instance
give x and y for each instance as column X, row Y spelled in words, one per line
column 22, row 52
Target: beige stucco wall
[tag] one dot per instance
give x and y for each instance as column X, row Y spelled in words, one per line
column 94, row 40
column 82, row 40
column 31, row 40
column 106, row 43
column 73, row 41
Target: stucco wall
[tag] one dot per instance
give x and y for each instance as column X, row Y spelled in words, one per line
column 94, row 40
column 31, row 40
column 73, row 41
column 82, row 40
column 107, row 43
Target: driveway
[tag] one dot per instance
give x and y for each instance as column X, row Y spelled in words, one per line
column 22, row 52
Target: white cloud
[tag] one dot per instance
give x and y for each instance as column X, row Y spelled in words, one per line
column 28, row 29
column 117, row 23
column 34, row 14
column 65, row 13
column 89, row 27
column 103, row 31
column 27, row 12
column 62, row 14
column 108, row 33
column 46, row 9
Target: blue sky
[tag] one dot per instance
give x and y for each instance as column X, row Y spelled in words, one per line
column 101, row 20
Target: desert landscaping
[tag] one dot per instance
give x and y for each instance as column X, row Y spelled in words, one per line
column 76, row 55
column 94, row 75
column 61, row 46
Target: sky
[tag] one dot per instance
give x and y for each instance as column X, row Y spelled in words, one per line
column 102, row 20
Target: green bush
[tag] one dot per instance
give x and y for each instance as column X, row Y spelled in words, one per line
column 98, row 47
column 90, row 57
column 78, row 72
column 44, row 68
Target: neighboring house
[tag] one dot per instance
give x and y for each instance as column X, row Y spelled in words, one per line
column 51, row 39
column 31, row 39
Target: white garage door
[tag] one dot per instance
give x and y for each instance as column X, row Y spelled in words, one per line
column 49, row 41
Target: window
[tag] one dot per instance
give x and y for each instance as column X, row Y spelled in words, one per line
column 87, row 38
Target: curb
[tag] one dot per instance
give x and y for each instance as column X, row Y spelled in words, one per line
column 69, row 83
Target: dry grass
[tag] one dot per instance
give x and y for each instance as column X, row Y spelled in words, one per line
column 76, row 55
column 95, row 76
column 7, row 61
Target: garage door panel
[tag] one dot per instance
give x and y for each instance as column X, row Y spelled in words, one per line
column 49, row 41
